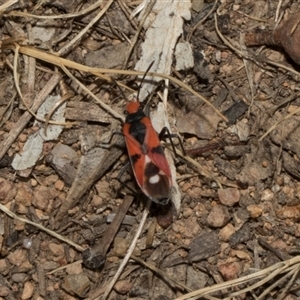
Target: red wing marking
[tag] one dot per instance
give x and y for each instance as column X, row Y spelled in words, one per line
column 149, row 164
column 154, row 149
column 136, row 156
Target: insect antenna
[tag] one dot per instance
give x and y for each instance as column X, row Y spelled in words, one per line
column 145, row 74
column 116, row 83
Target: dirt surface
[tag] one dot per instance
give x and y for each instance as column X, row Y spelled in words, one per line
column 67, row 222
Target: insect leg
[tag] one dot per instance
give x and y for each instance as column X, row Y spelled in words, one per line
column 109, row 142
column 166, row 132
column 120, row 175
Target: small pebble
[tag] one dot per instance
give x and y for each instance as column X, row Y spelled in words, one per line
column 187, row 212
column 27, row 243
column 267, row 195
column 230, row 270
column 103, row 189
column 78, row 284
column 59, row 185
column 226, row 232
column 28, row 290
column 57, row 251
column 218, row 217
column 18, row 277
column 3, row 265
column 254, row 210
column 22, row 138
column 74, row 269
column 51, row 179
column 120, row 246
column 191, row 227
column 26, row 266
column 229, row 196
column 123, row 287
column 241, row 254
column 42, row 196
column 19, row 225
column 21, row 209
column 4, row 291
column 17, row 257
column 289, row 212
column 96, row 201
column 24, row 194
column 33, row 182
column 6, row 189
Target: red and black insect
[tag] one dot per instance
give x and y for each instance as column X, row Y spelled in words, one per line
column 147, row 157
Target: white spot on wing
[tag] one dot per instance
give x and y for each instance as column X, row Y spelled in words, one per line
column 154, row 179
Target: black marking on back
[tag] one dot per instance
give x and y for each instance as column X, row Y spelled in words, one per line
column 158, row 149
column 151, row 170
column 159, row 191
column 134, row 158
column 137, row 129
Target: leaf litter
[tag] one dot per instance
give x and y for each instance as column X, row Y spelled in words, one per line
column 237, row 199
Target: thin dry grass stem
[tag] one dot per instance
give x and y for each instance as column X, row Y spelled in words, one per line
column 66, row 16
column 41, row 227
column 16, row 80
column 252, row 287
column 268, row 274
column 58, row 61
column 31, row 69
column 291, row 266
column 277, row 123
column 162, row 274
column 279, row 65
column 8, row 110
column 6, row 5
column 246, row 56
column 24, row 119
column 137, row 34
column 101, row 103
column 278, row 10
column 77, row 262
column 202, row 21
column 290, row 283
column 129, row 251
column 58, row 103
column 248, row 69
column 272, row 63
column 166, row 277
column 201, row 169
column 276, row 284
column 225, row 41
column 125, row 10
column 251, row 17
column 140, row 6
column 67, row 47
column 288, row 100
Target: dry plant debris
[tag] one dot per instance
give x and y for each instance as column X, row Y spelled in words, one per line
column 70, row 229
column 286, row 36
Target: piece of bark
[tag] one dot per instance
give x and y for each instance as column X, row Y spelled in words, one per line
column 94, row 257
column 41, row 280
column 204, row 246
column 20, row 125
column 64, row 160
column 92, row 166
column 85, row 111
